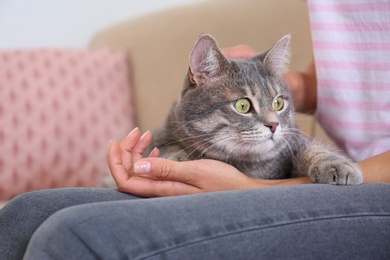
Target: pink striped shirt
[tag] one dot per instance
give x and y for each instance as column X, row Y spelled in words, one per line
column 351, row 40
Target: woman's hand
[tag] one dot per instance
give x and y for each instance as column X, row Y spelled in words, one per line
column 151, row 177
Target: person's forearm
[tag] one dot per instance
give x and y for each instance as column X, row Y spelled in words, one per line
column 303, row 86
column 310, row 90
column 262, row 183
column 377, row 168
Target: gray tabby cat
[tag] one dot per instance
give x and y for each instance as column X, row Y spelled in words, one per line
column 241, row 112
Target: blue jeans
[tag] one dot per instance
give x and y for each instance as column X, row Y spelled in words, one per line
column 300, row 222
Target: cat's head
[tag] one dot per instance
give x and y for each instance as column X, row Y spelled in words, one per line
column 236, row 107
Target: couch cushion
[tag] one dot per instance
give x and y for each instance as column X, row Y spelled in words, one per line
column 59, row 109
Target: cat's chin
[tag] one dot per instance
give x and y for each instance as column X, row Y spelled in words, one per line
column 247, row 151
column 264, row 149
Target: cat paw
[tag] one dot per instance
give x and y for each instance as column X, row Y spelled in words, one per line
column 336, row 170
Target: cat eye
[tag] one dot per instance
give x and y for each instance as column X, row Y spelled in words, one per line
column 242, row 105
column 278, row 104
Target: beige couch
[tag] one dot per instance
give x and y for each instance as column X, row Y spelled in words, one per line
column 159, row 46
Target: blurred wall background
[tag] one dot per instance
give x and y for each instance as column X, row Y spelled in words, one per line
column 61, row 23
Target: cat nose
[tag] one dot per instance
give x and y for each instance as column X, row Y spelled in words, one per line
column 272, row 126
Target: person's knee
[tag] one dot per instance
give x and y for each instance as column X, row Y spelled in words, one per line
column 26, row 203
column 20, row 217
column 52, row 238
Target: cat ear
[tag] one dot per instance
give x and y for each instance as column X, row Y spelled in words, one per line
column 277, row 59
column 206, row 60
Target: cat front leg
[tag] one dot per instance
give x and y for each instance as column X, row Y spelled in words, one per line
column 325, row 165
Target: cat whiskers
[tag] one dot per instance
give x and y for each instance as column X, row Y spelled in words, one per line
column 177, row 141
column 289, row 148
column 204, row 140
column 297, row 134
column 223, row 139
column 182, row 125
column 255, row 135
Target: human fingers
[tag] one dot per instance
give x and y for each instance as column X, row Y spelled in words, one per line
column 164, row 169
column 141, row 146
column 118, row 171
column 155, row 152
column 240, row 51
column 205, row 175
column 114, row 154
column 129, row 142
column 145, row 187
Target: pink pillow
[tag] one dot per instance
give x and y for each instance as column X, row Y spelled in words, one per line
column 59, row 109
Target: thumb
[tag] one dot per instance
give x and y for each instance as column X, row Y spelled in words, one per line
column 164, row 169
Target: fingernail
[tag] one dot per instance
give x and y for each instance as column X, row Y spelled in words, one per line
column 142, row 167
column 143, row 136
column 155, row 152
column 132, row 131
